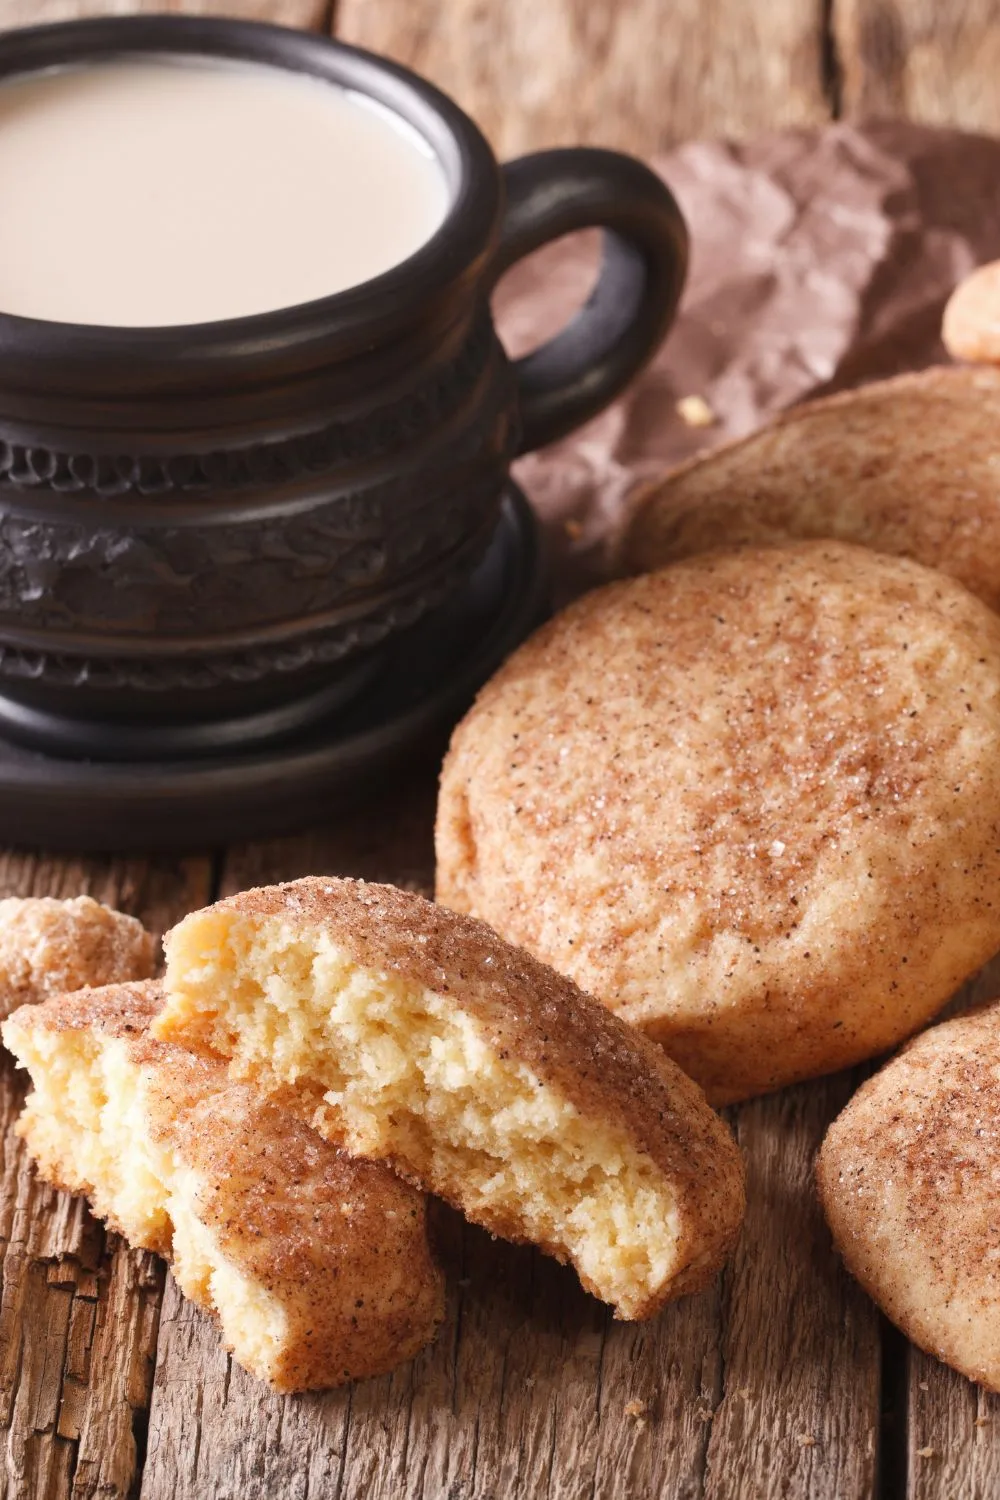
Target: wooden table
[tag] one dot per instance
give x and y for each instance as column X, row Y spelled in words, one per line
column 780, row 1381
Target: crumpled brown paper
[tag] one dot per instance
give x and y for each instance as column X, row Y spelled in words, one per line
column 819, row 259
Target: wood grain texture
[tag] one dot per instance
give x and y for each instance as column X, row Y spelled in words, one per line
column 524, row 1393
column 314, row 15
column 78, row 1310
column 800, row 1408
column 639, row 75
column 929, row 61
column 952, row 1434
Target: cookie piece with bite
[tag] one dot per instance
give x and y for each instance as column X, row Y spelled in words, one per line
column 316, row 1264
column 477, row 1072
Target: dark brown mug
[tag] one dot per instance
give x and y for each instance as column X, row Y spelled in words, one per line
column 229, row 518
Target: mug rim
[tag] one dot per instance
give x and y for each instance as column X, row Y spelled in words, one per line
column 303, row 335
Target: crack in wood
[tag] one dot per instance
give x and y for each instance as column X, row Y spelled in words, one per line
column 832, row 70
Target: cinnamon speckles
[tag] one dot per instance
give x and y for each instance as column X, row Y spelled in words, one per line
column 752, row 802
column 908, row 1178
column 509, row 1092
column 49, row 946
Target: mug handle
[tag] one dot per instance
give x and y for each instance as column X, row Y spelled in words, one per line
column 580, row 371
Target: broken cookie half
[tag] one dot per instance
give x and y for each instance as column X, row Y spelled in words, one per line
column 317, row 1265
column 476, row 1071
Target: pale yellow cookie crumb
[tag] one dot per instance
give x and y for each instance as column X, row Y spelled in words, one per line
column 695, row 411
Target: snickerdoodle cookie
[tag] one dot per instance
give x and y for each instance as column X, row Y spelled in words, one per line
column 473, row 1069
column 905, row 466
column 908, row 1179
column 751, row 802
column 48, row 947
column 317, row 1265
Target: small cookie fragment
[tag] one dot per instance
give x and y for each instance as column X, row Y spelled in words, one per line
column 48, row 947
column 751, row 802
column 906, row 466
column 908, row 1177
column 474, row 1070
column 316, row 1264
column 695, row 411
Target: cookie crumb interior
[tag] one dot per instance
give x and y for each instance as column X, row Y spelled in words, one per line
column 409, row 1076
column 84, row 1122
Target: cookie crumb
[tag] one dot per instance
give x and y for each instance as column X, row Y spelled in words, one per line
column 806, row 1440
column 926, row 1453
column 982, row 1421
column 695, row 411
column 635, row 1408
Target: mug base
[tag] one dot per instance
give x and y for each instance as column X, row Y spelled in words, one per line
column 157, row 739
column 120, row 797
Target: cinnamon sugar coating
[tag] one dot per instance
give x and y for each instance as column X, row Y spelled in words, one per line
column 751, row 802
column 905, row 466
column 316, row 1264
column 48, row 947
column 908, row 1180
column 525, row 1027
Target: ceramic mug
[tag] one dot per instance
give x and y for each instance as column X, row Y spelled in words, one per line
column 211, row 520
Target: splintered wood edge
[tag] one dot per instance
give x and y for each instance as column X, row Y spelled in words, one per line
column 79, row 1314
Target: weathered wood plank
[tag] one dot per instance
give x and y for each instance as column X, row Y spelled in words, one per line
column 531, row 1389
column 952, row 1432
column 640, row 76
column 799, row 1413
column 78, row 1311
column 313, row 15
column 931, row 62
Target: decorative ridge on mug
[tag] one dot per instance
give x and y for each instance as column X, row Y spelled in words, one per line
column 380, row 431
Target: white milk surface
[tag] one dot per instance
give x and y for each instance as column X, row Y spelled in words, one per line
column 143, row 193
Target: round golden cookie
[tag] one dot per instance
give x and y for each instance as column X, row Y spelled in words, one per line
column 908, row 1179
column 906, row 466
column 751, row 802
